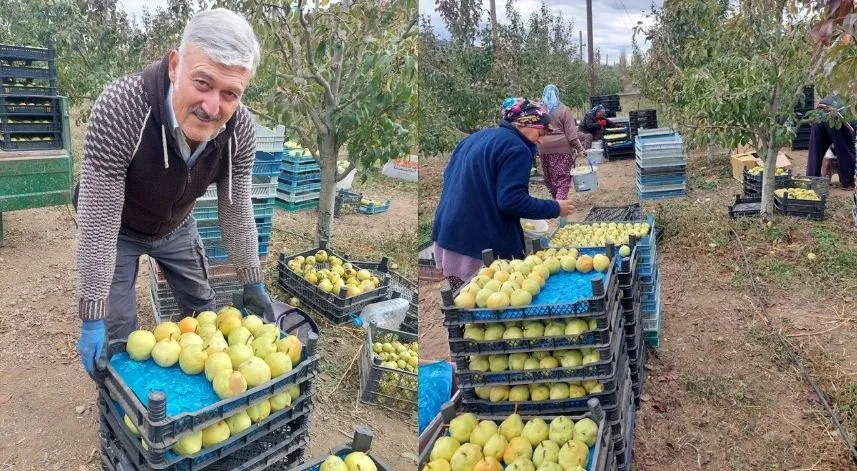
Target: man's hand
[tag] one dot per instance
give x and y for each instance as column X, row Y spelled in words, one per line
column 91, row 344
column 564, row 207
column 257, row 301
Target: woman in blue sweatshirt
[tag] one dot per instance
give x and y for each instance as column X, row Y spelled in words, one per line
column 486, row 192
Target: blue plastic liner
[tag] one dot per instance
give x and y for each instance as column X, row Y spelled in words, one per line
column 185, row 393
column 434, row 388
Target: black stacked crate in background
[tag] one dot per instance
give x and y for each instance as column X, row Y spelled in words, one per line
column 642, row 119
column 30, row 114
column 804, row 106
column 610, row 102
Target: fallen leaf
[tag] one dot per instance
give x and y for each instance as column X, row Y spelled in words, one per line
column 411, row 456
column 4, row 398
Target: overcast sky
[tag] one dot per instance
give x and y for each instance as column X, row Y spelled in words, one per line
column 135, row 7
column 613, row 20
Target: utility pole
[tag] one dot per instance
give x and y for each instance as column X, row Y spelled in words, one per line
column 494, row 23
column 589, row 47
column 581, row 44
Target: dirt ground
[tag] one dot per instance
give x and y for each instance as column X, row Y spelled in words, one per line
column 721, row 393
column 48, row 417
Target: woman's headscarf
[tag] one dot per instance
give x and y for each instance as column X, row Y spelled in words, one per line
column 526, row 113
column 550, row 97
column 596, row 108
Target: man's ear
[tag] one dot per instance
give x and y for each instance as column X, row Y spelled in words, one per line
column 173, row 63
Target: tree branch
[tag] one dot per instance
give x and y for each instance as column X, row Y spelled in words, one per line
column 308, row 34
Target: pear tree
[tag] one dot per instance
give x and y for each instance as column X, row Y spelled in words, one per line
column 340, row 76
column 732, row 73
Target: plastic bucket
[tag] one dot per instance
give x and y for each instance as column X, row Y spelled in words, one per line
column 585, row 178
column 595, row 156
column 596, row 144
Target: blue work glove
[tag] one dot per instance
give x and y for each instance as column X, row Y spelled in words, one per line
column 257, row 301
column 91, row 344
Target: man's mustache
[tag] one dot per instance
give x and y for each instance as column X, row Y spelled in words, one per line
column 202, row 115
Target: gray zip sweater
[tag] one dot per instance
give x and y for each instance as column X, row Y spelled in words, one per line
column 133, row 179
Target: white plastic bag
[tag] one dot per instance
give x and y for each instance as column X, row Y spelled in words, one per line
column 402, row 169
column 388, row 314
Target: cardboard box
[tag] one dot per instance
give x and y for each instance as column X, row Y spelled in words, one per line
column 741, row 161
column 784, row 161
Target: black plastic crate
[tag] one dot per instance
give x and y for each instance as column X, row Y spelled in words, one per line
column 626, row 271
column 12, row 52
column 604, row 291
column 335, row 307
column 347, row 201
column 461, row 347
column 745, row 207
column 602, row 452
column 629, row 296
column 392, row 389
column 161, row 431
column 15, row 143
column 601, row 370
column 821, row 185
column 613, row 412
column 362, row 441
column 288, row 424
column 806, row 209
column 753, row 183
column 279, row 450
column 36, row 106
column 631, row 212
column 609, row 398
column 30, row 126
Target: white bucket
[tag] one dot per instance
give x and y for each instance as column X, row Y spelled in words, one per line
column 585, row 178
column 596, row 144
column 596, row 156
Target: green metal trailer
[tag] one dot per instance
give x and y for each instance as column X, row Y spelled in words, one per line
column 37, row 178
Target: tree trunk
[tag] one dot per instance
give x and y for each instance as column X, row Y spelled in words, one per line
column 769, row 175
column 710, row 142
column 327, row 162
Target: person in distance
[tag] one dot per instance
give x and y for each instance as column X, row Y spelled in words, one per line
column 560, row 146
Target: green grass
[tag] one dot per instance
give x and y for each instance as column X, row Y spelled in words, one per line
column 424, row 230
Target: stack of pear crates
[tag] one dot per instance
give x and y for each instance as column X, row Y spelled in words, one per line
column 153, row 418
column 299, row 183
column 493, row 348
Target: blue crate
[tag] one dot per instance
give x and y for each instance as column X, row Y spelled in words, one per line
column 218, row 253
column 297, row 187
column 264, row 210
column 301, row 177
column 296, row 155
column 208, row 212
column 661, row 179
column 299, row 167
column 365, row 209
column 268, row 156
column 656, row 194
column 650, row 305
column 210, row 233
column 266, row 169
column 298, row 197
column 297, row 207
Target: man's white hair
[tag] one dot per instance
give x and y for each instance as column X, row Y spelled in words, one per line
column 224, row 36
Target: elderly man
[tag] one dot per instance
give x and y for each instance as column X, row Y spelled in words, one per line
column 155, row 141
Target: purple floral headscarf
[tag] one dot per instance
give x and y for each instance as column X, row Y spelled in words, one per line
column 526, row 113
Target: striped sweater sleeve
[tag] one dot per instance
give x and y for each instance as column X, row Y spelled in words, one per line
column 111, row 135
column 237, row 222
